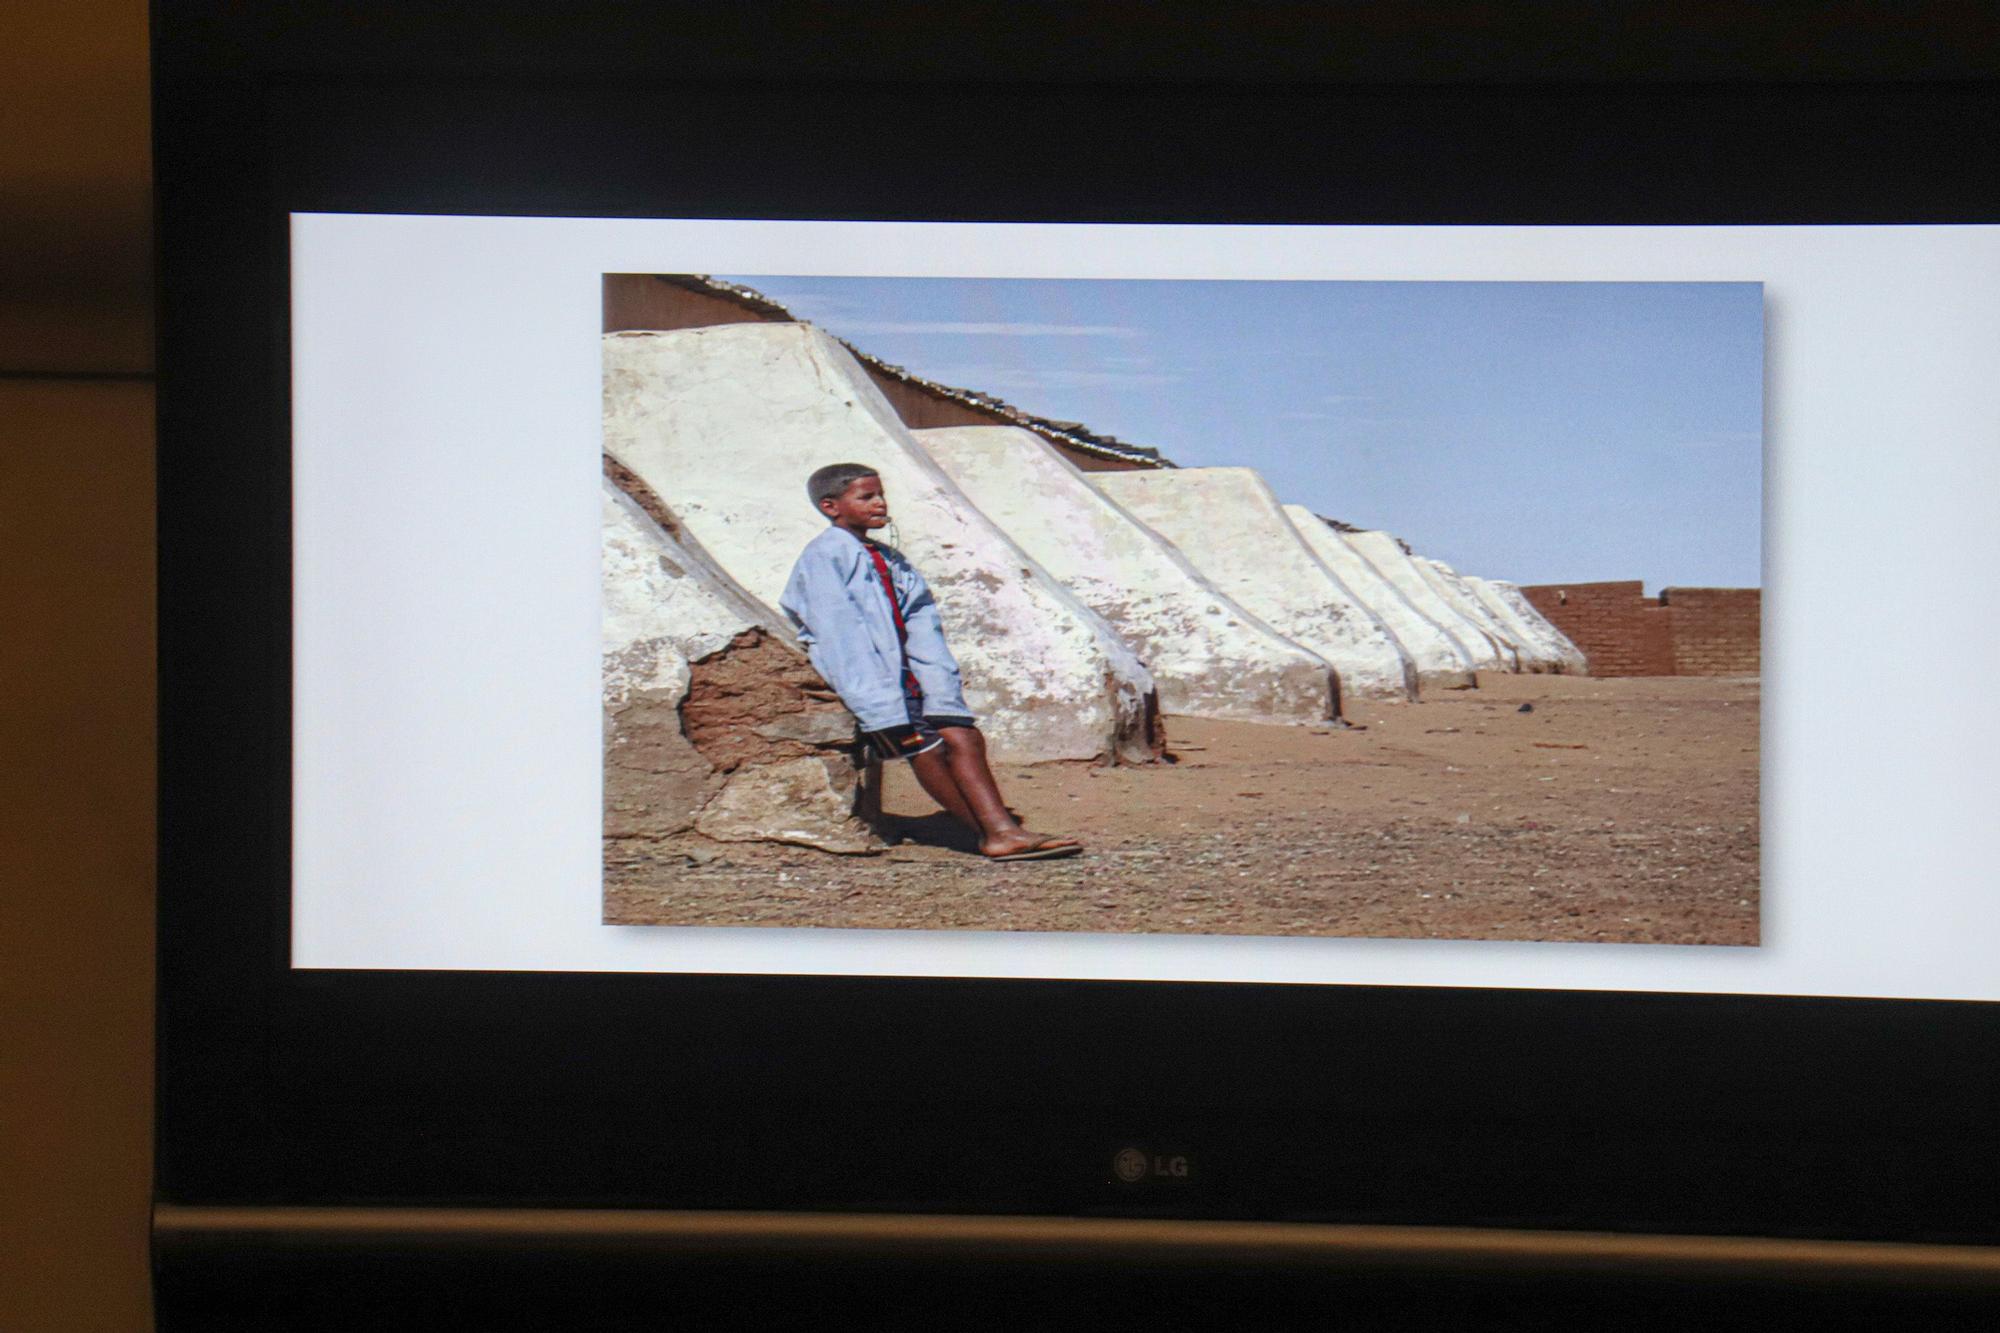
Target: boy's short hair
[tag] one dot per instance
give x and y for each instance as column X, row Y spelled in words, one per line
column 831, row 482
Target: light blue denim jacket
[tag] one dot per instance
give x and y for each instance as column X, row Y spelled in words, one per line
column 834, row 598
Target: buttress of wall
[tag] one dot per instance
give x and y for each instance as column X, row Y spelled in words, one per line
column 660, row 302
column 1717, row 631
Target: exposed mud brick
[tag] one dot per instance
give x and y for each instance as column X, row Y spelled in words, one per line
column 1608, row 622
column 1685, row 632
column 703, row 701
column 757, row 701
column 1717, row 631
column 639, row 493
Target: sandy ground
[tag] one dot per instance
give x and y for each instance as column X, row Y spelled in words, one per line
column 1608, row 810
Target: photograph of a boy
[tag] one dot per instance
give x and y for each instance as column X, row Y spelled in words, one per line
column 870, row 625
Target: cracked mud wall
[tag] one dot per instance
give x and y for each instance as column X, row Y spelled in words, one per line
column 713, row 723
column 728, row 422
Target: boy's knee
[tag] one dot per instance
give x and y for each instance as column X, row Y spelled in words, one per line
column 961, row 737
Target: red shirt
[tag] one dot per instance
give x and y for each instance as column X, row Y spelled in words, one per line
column 895, row 610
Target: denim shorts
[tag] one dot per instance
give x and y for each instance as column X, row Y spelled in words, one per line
column 918, row 736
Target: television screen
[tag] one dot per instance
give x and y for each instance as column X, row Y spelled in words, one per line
column 1252, row 546
column 906, row 626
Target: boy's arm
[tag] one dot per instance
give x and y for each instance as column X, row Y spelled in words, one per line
column 832, row 627
column 930, row 656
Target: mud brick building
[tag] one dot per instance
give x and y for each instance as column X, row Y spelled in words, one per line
column 1715, row 630
column 1682, row 632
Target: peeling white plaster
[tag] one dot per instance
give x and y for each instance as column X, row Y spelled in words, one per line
column 725, row 424
column 1229, row 524
column 1209, row 656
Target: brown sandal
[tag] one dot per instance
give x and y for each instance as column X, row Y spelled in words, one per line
column 1042, row 851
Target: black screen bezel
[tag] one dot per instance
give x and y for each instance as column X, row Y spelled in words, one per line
column 1711, row 1113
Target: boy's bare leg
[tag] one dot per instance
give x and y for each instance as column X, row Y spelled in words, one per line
column 1000, row 832
column 933, row 774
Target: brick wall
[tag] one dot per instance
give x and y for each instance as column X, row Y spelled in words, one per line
column 650, row 301
column 1716, row 630
column 1620, row 629
column 1682, row 632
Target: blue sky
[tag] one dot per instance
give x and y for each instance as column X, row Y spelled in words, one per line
column 1538, row 432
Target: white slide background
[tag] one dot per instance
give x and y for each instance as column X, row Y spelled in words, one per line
column 446, row 718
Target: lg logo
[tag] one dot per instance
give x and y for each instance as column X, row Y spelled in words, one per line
column 1133, row 1165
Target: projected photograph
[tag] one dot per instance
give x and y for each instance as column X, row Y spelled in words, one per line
column 1241, row 608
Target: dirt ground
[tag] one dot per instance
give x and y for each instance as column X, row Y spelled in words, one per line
column 1532, row 808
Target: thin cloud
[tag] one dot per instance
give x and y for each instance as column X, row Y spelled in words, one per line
column 1305, row 416
column 1013, row 378
column 985, row 329
column 819, row 308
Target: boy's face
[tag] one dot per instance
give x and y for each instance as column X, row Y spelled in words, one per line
column 860, row 507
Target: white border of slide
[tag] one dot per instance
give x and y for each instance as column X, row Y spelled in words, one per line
column 447, row 728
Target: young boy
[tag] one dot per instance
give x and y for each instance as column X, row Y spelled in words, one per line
column 871, row 628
